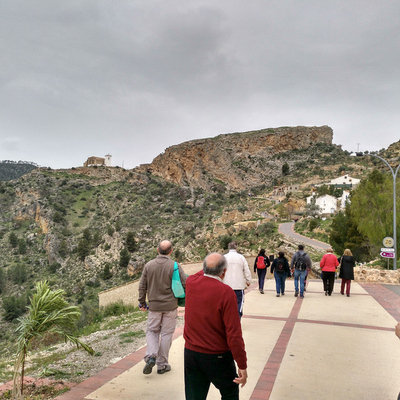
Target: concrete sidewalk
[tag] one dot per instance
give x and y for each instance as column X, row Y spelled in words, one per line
column 320, row 347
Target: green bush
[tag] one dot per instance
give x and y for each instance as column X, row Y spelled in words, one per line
column 13, row 307
column 107, row 274
column 313, row 224
column 13, row 239
column 124, row 258
column 116, row 309
column 18, row 274
column 267, row 229
column 224, row 241
column 53, row 267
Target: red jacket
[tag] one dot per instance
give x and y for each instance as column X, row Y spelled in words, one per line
column 329, row 263
column 212, row 324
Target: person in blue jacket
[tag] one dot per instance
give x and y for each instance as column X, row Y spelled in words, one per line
column 280, row 269
column 261, row 263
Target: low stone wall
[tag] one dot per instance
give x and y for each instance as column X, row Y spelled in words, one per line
column 128, row 294
column 364, row 274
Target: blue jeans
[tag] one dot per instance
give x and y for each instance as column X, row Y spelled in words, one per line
column 280, row 282
column 302, row 275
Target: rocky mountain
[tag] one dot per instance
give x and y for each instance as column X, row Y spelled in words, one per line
column 238, row 161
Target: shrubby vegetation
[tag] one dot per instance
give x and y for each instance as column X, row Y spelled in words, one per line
column 368, row 217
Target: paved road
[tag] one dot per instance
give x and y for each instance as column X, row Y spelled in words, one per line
column 286, row 228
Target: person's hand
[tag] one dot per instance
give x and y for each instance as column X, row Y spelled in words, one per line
column 397, row 330
column 242, row 378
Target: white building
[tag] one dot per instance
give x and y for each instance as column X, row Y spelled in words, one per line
column 345, row 180
column 326, row 203
column 107, row 160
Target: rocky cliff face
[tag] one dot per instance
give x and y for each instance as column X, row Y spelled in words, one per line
column 237, row 161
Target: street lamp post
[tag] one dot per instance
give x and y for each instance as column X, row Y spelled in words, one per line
column 394, row 175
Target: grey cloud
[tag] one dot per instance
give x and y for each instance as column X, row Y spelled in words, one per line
column 134, row 77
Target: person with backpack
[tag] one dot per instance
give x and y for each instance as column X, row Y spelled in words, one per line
column 328, row 264
column 280, row 269
column 261, row 263
column 300, row 264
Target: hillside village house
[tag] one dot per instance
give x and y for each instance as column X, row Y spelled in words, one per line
column 329, row 204
column 98, row 161
column 345, row 181
column 284, row 190
column 326, row 203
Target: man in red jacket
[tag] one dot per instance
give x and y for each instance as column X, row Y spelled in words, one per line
column 213, row 334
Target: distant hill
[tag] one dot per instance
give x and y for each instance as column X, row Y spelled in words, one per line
column 10, row 170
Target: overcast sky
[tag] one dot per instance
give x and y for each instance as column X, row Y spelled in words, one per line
column 131, row 78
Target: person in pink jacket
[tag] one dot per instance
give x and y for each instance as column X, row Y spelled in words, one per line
column 328, row 264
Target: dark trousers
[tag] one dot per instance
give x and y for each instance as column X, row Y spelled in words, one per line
column 329, row 279
column 240, row 301
column 202, row 369
column 261, row 277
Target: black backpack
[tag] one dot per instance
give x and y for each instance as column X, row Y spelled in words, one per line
column 280, row 266
column 301, row 263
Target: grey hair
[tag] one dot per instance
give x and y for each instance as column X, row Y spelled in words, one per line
column 232, row 245
column 216, row 270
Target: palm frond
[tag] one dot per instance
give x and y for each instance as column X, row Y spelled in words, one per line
column 48, row 312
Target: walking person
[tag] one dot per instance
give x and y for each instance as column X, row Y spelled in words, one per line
column 280, row 269
column 328, row 265
column 238, row 275
column 347, row 264
column 261, row 263
column 213, row 334
column 162, row 307
column 300, row 265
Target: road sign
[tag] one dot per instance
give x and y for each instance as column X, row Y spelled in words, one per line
column 387, row 249
column 387, row 254
column 388, row 241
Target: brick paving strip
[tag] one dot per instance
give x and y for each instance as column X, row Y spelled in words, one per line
column 389, row 300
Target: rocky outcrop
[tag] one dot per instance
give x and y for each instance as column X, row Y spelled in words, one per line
column 236, row 161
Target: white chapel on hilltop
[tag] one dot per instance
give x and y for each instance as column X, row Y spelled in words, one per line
column 98, row 161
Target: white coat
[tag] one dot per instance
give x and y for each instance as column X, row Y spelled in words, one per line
column 238, row 272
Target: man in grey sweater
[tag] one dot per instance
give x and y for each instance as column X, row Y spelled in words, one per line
column 162, row 307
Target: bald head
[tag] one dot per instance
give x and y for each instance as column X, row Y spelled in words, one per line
column 214, row 264
column 165, row 247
